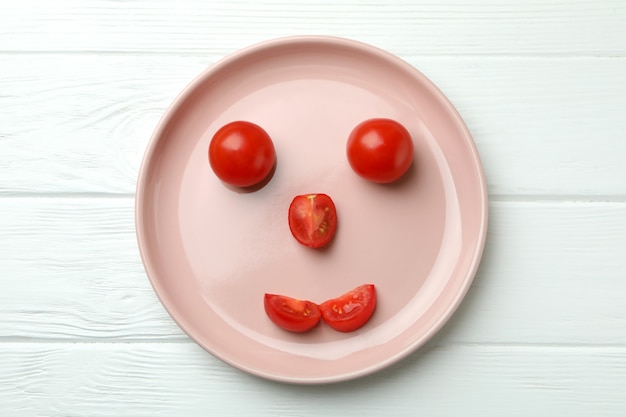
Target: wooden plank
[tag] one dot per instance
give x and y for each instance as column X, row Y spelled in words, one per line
column 560, row 264
column 543, row 126
column 70, row 270
column 83, row 124
column 181, row 379
column 419, row 27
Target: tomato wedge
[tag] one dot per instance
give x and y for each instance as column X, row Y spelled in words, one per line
column 313, row 219
column 351, row 310
column 291, row 314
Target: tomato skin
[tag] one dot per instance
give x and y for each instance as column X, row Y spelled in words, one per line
column 380, row 150
column 241, row 154
column 291, row 314
column 351, row 310
column 313, row 219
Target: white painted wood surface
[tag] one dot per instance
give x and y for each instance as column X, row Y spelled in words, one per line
column 542, row 87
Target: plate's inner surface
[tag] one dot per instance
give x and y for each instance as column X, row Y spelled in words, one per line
column 212, row 252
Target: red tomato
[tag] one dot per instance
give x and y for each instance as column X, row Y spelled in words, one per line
column 292, row 314
column 380, row 150
column 313, row 219
column 351, row 310
column 241, row 154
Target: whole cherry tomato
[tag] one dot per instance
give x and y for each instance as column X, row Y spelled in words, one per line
column 291, row 314
column 313, row 219
column 351, row 310
column 241, row 154
column 380, row 150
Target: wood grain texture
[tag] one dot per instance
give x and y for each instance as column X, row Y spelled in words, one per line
column 405, row 27
column 543, row 126
column 542, row 87
column 70, row 270
column 181, row 379
column 85, row 120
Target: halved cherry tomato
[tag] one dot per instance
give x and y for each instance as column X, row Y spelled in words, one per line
column 292, row 314
column 241, row 154
column 351, row 310
column 313, row 219
column 380, row 150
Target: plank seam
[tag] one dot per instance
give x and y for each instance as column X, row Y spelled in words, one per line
column 188, row 341
column 219, row 55
column 617, row 199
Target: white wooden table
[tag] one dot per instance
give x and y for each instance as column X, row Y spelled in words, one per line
column 542, row 87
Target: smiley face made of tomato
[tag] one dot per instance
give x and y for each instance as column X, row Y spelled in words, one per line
column 212, row 250
column 380, row 150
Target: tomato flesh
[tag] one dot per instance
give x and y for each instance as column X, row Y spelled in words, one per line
column 351, row 310
column 313, row 219
column 291, row 314
column 241, row 154
column 380, row 150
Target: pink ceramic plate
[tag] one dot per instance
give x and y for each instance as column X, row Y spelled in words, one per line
column 211, row 252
